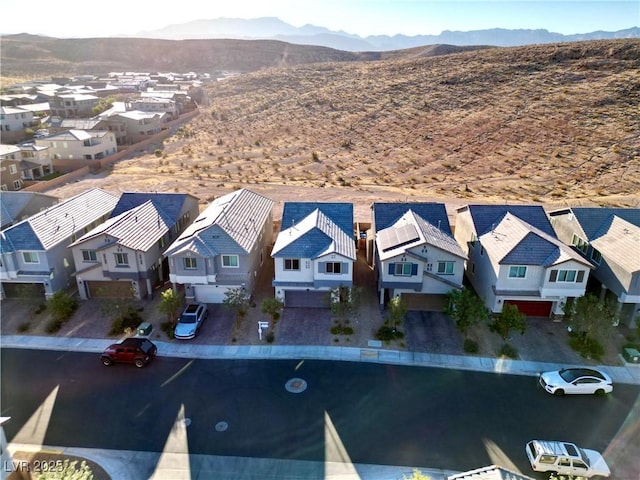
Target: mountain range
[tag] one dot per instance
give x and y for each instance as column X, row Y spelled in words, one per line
column 271, row 28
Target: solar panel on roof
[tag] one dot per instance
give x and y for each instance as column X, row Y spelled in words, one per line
column 395, row 237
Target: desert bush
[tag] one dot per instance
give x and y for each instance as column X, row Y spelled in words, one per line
column 127, row 321
column 586, row 346
column 508, row 350
column 386, row 334
column 470, row 346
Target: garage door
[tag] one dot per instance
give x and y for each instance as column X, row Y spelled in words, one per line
column 104, row 289
column 424, row 302
column 302, row 298
column 532, row 309
column 209, row 293
column 24, row 290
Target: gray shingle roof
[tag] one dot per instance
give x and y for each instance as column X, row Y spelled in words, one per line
column 485, row 217
column 231, row 224
column 591, row 219
column 57, row 223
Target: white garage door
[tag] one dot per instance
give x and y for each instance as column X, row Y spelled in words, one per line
column 209, row 293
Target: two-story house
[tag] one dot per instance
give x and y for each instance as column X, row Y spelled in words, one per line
column 610, row 239
column 17, row 206
column 224, row 247
column 13, row 122
column 35, row 161
column 124, row 256
column 314, row 252
column 34, row 251
column 416, row 256
column 515, row 257
column 10, row 174
column 69, row 105
column 79, row 144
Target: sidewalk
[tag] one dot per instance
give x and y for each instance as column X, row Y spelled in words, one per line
column 175, row 465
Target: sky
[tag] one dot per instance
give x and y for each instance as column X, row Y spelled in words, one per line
column 78, row 18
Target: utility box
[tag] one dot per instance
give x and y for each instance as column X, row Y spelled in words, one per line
column 631, row 355
column 144, row 329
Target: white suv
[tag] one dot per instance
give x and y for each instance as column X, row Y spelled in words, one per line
column 190, row 321
column 565, row 458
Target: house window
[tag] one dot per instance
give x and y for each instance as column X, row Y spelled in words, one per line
column 30, row 257
column 17, row 184
column 333, row 267
column 445, row 268
column 162, row 242
column 579, row 243
column 402, row 269
column 292, row 264
column 429, row 267
column 517, row 271
column 190, row 263
column 89, row 256
column 122, row 259
column 596, row 256
column 12, row 169
column 230, row 261
column 566, row 276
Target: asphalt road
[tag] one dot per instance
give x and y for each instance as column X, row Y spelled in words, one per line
column 378, row 414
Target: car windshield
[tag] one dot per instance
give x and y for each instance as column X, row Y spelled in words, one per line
column 188, row 319
column 569, row 375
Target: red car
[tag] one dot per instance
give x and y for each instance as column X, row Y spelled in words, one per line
column 136, row 350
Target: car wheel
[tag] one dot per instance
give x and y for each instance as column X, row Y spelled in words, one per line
column 599, row 391
column 106, row 361
column 559, row 392
column 139, row 363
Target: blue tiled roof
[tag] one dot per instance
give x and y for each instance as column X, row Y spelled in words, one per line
column 532, row 250
column 169, row 203
column 339, row 213
column 386, row 214
column 593, row 219
column 307, row 246
column 485, row 217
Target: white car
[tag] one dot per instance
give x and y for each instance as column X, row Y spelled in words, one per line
column 190, row 321
column 576, row 381
column 565, row 458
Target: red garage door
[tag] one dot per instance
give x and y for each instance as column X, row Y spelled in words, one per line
column 531, row 308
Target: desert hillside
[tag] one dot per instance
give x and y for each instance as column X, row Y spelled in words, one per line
column 553, row 124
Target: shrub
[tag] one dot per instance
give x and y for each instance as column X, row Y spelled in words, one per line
column 470, row 346
column 54, row 325
column 586, row 346
column 24, row 327
column 62, row 305
column 270, row 337
column 509, row 351
column 129, row 320
column 167, row 328
column 386, row 334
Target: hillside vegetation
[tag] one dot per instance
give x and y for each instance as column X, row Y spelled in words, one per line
column 554, row 124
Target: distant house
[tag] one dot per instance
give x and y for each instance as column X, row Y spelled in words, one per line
column 124, row 256
column 314, row 252
column 10, row 174
column 13, row 122
column 34, row 252
column 17, row 206
column 71, row 105
column 35, row 161
column 223, row 248
column 515, row 257
column 79, row 144
column 416, row 256
column 156, row 105
column 609, row 238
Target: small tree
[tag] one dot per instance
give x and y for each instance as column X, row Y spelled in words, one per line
column 397, row 312
column 62, row 305
column 591, row 319
column 272, row 306
column 509, row 319
column 238, row 301
column 465, row 308
column 345, row 302
column 170, row 303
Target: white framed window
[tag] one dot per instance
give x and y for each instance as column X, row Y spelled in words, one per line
column 89, row 256
column 445, row 268
column 13, row 169
column 17, row 184
column 230, row 261
column 30, row 257
column 122, row 259
column 333, row 267
column 596, row 256
column 566, row 276
column 292, row 264
column 517, row 271
column 402, row 269
column 190, row 263
column 579, row 243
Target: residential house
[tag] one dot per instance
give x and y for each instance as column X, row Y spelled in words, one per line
column 10, row 175
column 34, row 252
column 515, row 257
column 13, row 122
column 610, row 239
column 124, row 256
column 79, row 145
column 314, row 252
column 112, row 124
column 155, row 105
column 71, row 105
column 35, row 161
column 16, row 206
column 224, row 247
column 416, row 256
column 139, row 125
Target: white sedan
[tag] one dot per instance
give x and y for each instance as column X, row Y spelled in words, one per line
column 576, row 381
